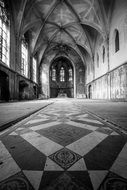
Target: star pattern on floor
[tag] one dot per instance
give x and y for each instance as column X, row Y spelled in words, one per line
column 61, row 148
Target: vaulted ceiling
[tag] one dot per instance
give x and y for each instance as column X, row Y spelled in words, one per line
column 61, row 25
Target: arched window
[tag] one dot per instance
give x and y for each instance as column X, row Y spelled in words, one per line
column 34, row 70
column 70, row 74
column 24, row 58
column 88, row 68
column 4, row 34
column 62, row 74
column 116, row 40
column 53, row 74
column 103, row 54
column 97, row 60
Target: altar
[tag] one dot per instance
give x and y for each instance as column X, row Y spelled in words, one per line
column 62, row 94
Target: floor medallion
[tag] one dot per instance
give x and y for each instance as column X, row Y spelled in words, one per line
column 65, row 158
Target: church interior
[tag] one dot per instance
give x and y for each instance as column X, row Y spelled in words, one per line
column 63, row 94
column 72, row 48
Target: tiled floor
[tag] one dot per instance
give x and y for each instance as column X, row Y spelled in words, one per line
column 63, row 148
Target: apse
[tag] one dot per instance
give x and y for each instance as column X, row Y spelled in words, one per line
column 61, row 78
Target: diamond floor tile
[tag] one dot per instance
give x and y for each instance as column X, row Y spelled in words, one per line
column 64, row 134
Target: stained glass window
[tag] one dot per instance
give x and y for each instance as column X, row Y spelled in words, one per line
column 4, row 35
column 53, row 74
column 62, row 74
column 34, row 70
column 70, row 74
column 24, row 59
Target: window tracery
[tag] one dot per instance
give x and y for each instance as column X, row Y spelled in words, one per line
column 34, row 70
column 70, row 74
column 62, row 74
column 4, row 34
column 24, row 58
column 53, row 74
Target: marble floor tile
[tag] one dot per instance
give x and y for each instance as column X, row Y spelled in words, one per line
column 78, row 166
column 64, row 134
column 41, row 143
column 91, row 120
column 50, row 165
column 85, row 126
column 35, row 121
column 97, row 178
column 34, row 177
column 104, row 154
column 45, row 125
column 120, row 165
column 87, row 143
column 8, row 166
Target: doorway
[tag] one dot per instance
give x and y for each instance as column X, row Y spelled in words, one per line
column 4, row 86
column 90, row 92
column 23, row 90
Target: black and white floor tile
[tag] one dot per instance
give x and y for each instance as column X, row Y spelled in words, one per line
column 63, row 148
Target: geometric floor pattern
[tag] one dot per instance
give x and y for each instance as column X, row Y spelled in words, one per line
column 63, row 147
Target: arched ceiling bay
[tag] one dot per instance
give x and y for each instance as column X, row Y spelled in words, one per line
column 51, row 24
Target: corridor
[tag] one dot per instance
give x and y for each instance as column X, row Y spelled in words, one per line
column 63, row 147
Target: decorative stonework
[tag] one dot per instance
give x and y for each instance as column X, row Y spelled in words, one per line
column 114, row 182
column 15, row 183
column 65, row 181
column 65, row 158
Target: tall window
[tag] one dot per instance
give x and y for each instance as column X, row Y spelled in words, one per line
column 62, row 74
column 4, row 35
column 70, row 74
column 116, row 41
column 97, row 60
column 88, row 69
column 53, row 74
column 24, row 59
column 103, row 54
column 34, row 70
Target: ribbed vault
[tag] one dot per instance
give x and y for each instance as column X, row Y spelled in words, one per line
column 51, row 24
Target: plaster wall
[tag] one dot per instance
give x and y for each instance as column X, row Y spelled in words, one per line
column 100, row 88
column 119, row 22
column 119, row 83
column 111, row 86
